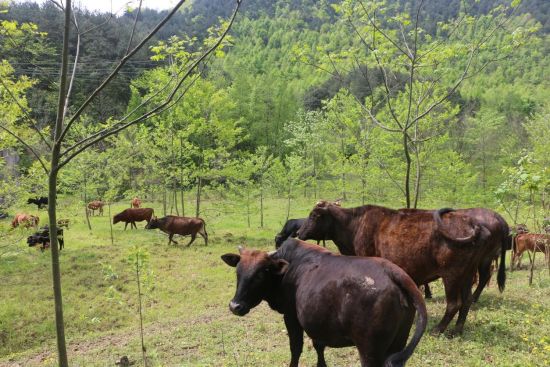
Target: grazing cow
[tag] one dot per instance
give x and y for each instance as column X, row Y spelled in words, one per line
column 290, row 229
column 339, row 301
column 42, row 237
column 427, row 244
column 183, row 226
column 135, row 203
column 27, row 220
column 39, row 201
column 96, row 205
column 63, row 223
column 133, row 215
column 538, row 242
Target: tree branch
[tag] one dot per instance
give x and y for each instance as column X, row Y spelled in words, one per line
column 26, row 146
column 119, row 66
column 134, row 28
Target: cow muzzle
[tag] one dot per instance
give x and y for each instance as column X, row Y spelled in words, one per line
column 238, row 309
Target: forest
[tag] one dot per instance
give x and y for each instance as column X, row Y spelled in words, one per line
column 247, row 113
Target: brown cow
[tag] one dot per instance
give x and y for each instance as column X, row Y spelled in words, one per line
column 27, row 220
column 183, row 226
column 96, row 205
column 339, row 301
column 538, row 242
column 135, row 203
column 427, row 244
column 133, row 215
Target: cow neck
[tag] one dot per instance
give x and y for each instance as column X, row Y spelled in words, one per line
column 345, row 224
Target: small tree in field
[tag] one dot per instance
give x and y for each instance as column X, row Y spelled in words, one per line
column 62, row 143
column 412, row 73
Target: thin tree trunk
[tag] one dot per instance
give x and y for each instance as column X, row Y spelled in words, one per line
column 111, row 224
column 288, row 206
column 408, row 171
column 182, row 202
column 181, row 179
column 143, row 350
column 198, row 203
column 417, row 179
column 248, row 205
column 176, row 199
column 86, row 206
column 164, row 201
column 262, row 203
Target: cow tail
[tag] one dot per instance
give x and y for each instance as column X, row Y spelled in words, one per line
column 406, row 284
column 507, row 243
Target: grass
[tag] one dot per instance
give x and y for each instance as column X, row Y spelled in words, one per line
column 187, row 291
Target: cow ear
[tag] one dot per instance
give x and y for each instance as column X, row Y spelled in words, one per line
column 281, row 266
column 231, row 259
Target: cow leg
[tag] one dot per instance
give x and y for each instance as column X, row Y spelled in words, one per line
column 427, row 291
column 320, row 349
column 126, row 225
column 205, row 236
column 296, row 338
column 453, row 288
column 369, row 356
column 193, row 236
column 484, row 276
column 324, row 244
column 134, row 225
column 170, row 239
column 466, row 297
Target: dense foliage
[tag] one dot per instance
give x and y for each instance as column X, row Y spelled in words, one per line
column 294, row 92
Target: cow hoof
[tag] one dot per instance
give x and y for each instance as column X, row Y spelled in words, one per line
column 435, row 331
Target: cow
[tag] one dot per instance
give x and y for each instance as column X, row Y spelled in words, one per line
column 290, row 229
column 42, row 237
column 133, row 215
column 339, row 301
column 538, row 242
column 27, row 220
column 183, row 226
column 135, row 203
column 520, row 229
column 63, row 223
column 39, row 201
column 427, row 244
column 96, row 205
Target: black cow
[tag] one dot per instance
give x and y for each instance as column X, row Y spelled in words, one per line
column 290, row 230
column 337, row 300
column 39, row 201
column 42, row 237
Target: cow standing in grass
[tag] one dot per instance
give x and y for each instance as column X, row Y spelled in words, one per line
column 27, row 220
column 96, row 205
column 133, row 215
column 339, row 301
column 533, row 242
column 39, row 201
column 135, row 203
column 183, row 226
column 290, row 230
column 427, row 244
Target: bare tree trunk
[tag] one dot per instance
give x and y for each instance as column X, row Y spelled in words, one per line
column 164, row 201
column 198, row 204
column 86, row 205
column 248, row 205
column 417, row 179
column 408, row 171
column 181, row 179
column 176, row 199
column 288, row 206
column 262, row 203
column 111, row 224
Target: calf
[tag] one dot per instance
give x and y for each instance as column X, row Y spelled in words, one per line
column 26, row 220
column 96, row 205
column 133, row 215
column 39, row 201
column 42, row 237
column 290, row 229
column 338, row 301
column 183, row 226
column 530, row 242
column 135, row 203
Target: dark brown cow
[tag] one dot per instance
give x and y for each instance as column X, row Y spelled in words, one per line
column 339, row 301
column 96, row 205
column 135, row 203
column 538, row 242
column 133, row 215
column 27, row 220
column 427, row 244
column 183, row 226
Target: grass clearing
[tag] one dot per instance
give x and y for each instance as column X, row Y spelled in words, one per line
column 187, row 291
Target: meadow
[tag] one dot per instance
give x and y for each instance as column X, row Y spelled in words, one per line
column 186, row 294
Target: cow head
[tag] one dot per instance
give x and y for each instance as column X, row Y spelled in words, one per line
column 31, row 201
column 521, row 228
column 317, row 224
column 153, row 223
column 279, row 240
column 258, row 273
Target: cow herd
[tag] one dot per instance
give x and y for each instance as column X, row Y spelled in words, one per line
column 367, row 296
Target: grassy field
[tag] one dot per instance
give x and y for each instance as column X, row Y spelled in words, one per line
column 187, row 291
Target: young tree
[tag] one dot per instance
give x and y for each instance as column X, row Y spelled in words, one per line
column 419, row 70
column 60, row 153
